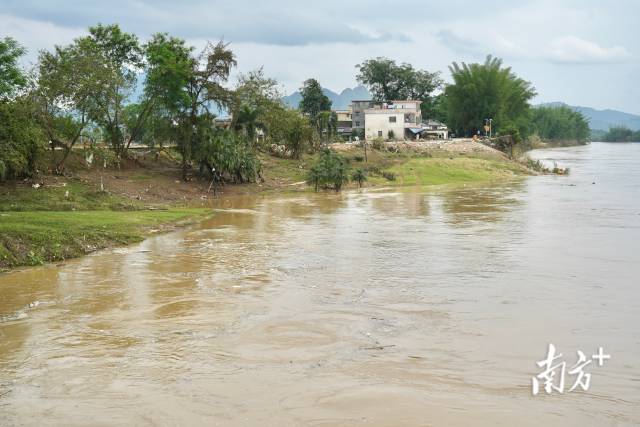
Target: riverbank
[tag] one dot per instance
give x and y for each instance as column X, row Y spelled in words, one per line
column 53, row 218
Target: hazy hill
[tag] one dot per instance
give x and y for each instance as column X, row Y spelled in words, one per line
column 340, row 101
column 603, row 119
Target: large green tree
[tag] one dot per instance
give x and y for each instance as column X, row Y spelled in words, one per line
column 12, row 77
column 313, row 101
column 487, row 91
column 559, row 123
column 66, row 84
column 252, row 99
column 388, row 81
column 118, row 59
column 21, row 140
column 188, row 87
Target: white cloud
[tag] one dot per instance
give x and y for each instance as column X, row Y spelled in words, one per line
column 574, row 50
column 36, row 35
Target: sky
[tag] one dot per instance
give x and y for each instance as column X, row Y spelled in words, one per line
column 582, row 52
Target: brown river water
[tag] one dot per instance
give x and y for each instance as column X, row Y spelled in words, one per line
column 396, row 307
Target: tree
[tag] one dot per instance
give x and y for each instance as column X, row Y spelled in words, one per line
column 330, row 170
column 288, row 127
column 621, row 134
column 116, row 57
column 313, row 100
column 489, row 90
column 210, row 70
column 559, row 123
column 12, row 77
column 227, row 156
column 359, row 176
column 252, row 98
column 66, row 84
column 21, row 139
column 187, row 88
column 388, row 81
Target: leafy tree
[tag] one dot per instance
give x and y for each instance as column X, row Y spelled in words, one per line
column 327, row 125
column 12, row 77
column 313, row 101
column 21, row 141
column 254, row 96
column 227, row 156
column 66, row 85
column 621, row 134
column 388, row 81
column 330, row 170
column 288, row 127
column 210, row 70
column 359, row 176
column 187, row 86
column 489, row 90
column 117, row 57
column 559, row 123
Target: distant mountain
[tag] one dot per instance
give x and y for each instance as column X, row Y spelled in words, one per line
column 603, row 119
column 339, row 101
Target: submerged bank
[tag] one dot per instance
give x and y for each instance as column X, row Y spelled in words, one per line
column 56, row 218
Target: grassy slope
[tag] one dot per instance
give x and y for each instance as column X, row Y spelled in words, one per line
column 42, row 225
column 437, row 171
column 408, row 168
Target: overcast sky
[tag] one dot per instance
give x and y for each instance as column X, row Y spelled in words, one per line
column 583, row 52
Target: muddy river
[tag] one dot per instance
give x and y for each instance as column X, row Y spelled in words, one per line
column 389, row 307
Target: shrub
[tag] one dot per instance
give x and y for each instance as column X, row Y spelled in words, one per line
column 378, row 144
column 389, row 175
column 330, row 171
column 359, row 176
column 228, row 156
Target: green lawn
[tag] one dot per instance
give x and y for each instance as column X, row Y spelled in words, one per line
column 35, row 237
column 438, row 171
column 53, row 198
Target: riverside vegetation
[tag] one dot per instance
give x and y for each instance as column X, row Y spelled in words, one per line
column 110, row 138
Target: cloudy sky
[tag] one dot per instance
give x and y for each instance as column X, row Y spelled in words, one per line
column 583, row 52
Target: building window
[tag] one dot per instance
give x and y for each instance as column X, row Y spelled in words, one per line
column 380, row 133
column 357, row 124
column 392, row 119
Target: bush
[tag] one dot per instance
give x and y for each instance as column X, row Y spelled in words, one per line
column 358, row 158
column 391, row 135
column 389, row 175
column 378, row 144
column 359, row 176
column 21, row 140
column 330, row 171
column 228, row 156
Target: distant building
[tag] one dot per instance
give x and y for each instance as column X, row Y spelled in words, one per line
column 393, row 120
column 357, row 116
column 435, row 129
column 401, row 119
column 345, row 122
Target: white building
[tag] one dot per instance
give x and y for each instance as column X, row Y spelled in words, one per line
column 435, row 129
column 395, row 120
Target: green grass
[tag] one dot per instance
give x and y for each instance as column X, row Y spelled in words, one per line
column 35, row 237
column 438, row 171
column 47, row 224
column 434, row 168
column 18, row 197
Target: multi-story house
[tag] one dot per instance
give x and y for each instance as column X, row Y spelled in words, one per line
column 393, row 120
